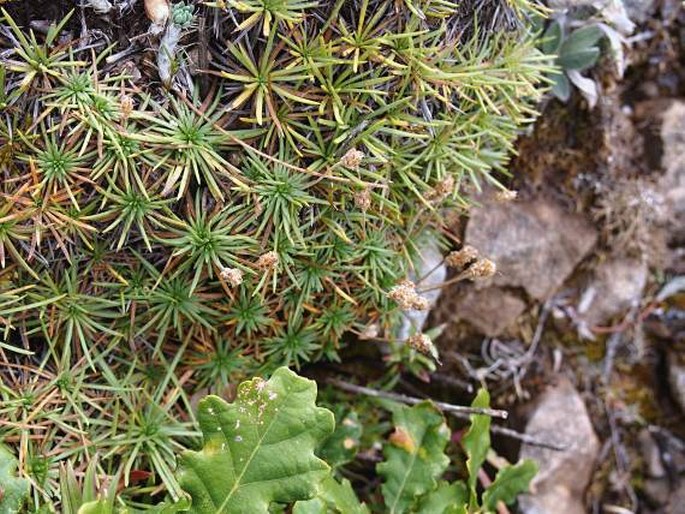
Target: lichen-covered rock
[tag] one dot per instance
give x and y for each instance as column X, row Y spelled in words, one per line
column 673, row 136
column 673, row 163
column 617, row 285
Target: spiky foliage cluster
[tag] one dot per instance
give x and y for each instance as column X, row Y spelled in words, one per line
column 248, row 224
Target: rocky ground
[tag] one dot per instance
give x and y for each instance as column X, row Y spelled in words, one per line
column 582, row 330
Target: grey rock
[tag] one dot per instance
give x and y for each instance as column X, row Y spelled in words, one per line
column 535, row 245
column 490, row 310
column 676, row 504
column 617, row 285
column 651, row 455
column 673, row 135
column 639, row 10
column 676, row 378
column 657, row 491
column 673, row 162
column 559, row 487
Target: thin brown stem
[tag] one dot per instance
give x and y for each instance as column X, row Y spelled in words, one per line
column 410, row 400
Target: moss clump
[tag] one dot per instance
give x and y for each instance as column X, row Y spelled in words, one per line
column 253, row 215
column 333, row 134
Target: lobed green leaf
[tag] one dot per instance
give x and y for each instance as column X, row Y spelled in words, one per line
column 414, row 456
column 259, row 449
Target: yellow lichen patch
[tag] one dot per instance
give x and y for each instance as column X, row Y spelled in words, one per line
column 348, row 422
column 402, row 439
column 349, row 443
column 214, row 446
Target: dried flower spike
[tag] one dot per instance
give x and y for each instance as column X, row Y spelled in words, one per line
column 460, row 258
column 420, row 303
column 362, row 199
column 234, row 276
column 481, row 269
column 268, row 260
column 352, row 159
column 126, row 106
column 422, row 344
column 404, row 294
column 442, row 190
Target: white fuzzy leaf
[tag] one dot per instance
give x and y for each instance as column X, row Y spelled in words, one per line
column 586, row 86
